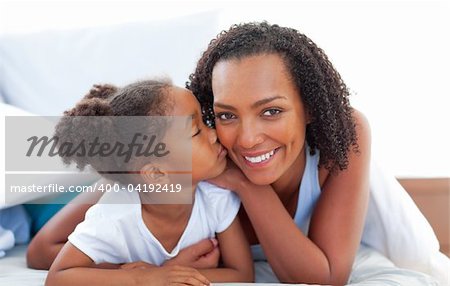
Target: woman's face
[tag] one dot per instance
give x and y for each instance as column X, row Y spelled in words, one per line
column 260, row 118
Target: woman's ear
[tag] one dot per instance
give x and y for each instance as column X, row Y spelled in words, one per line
column 308, row 116
column 154, row 174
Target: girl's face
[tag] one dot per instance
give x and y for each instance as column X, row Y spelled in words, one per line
column 260, row 118
column 208, row 155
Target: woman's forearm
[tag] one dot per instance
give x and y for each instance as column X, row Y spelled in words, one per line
column 293, row 256
column 219, row 275
column 40, row 255
column 47, row 243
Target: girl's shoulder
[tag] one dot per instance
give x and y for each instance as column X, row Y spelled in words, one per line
column 113, row 204
column 220, row 205
column 211, row 189
column 215, row 197
column 213, row 194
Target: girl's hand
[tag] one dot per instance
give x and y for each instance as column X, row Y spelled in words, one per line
column 73, row 267
column 202, row 255
column 170, row 275
column 232, row 179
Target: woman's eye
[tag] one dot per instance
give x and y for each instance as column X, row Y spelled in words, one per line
column 271, row 112
column 225, row 116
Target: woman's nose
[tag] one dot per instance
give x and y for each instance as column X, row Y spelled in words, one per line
column 249, row 136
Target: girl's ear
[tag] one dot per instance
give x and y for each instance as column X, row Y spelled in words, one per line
column 154, row 173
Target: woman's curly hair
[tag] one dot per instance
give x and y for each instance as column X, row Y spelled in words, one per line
column 323, row 92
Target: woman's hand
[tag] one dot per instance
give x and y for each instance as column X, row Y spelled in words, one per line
column 232, row 179
column 202, row 255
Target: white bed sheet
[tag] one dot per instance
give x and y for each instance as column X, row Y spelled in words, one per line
column 370, row 268
column 14, row 271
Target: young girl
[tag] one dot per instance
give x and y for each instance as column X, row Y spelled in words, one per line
column 135, row 238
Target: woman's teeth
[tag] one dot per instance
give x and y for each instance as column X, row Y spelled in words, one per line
column 260, row 158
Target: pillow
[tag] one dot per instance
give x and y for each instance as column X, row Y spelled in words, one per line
column 8, row 200
column 14, row 228
column 396, row 227
column 48, row 72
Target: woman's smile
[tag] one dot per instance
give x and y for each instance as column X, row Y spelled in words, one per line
column 259, row 159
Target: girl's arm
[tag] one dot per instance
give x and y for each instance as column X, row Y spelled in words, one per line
column 73, row 267
column 236, row 257
column 48, row 242
column 326, row 255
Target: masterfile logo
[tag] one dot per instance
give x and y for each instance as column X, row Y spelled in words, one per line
column 76, row 148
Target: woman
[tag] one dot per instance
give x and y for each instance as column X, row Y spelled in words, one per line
column 278, row 102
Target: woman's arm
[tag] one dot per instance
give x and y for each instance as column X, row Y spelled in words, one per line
column 73, row 267
column 236, row 257
column 326, row 255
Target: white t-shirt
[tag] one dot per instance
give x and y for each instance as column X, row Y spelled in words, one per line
column 116, row 233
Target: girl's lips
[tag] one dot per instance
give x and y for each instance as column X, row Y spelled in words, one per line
column 222, row 152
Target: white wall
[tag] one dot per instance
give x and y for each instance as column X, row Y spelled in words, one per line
column 392, row 54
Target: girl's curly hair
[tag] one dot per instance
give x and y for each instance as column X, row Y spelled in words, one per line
column 323, row 92
column 77, row 127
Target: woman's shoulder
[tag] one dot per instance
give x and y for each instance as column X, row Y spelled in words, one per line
column 362, row 123
column 363, row 132
column 363, row 135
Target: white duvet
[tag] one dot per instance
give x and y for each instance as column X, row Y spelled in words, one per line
column 370, row 268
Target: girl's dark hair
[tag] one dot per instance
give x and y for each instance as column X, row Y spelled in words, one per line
column 323, row 92
column 143, row 98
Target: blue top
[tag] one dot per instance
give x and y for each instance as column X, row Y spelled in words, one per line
column 307, row 199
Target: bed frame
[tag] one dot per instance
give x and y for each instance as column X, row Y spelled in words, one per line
column 432, row 196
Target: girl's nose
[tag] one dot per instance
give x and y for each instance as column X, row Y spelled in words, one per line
column 212, row 135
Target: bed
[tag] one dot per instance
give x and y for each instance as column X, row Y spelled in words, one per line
column 370, row 268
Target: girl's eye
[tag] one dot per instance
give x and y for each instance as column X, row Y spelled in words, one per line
column 198, row 132
column 271, row 112
column 225, row 116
